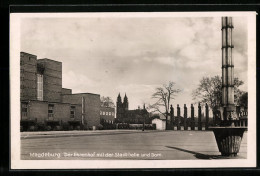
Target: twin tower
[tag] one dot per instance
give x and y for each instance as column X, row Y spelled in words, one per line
column 120, row 104
column 121, row 107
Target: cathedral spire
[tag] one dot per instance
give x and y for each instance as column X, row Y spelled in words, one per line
column 119, row 98
column 125, row 98
column 125, row 102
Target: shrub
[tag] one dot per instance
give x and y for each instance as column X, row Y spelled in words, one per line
column 36, row 128
column 77, row 127
column 57, row 128
column 100, row 127
column 31, row 128
column 85, row 127
column 65, row 126
column 70, row 127
column 41, row 126
column 48, row 128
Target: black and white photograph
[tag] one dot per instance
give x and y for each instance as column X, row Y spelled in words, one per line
column 133, row 90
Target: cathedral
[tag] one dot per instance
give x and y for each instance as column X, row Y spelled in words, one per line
column 124, row 115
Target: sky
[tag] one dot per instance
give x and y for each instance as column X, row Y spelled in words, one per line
column 108, row 56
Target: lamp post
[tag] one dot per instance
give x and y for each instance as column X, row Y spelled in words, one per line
column 143, row 114
column 144, row 123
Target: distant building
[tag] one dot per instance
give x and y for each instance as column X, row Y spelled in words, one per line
column 44, row 100
column 124, row 115
column 160, row 123
column 107, row 115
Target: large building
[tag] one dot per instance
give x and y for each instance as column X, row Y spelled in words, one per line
column 124, row 115
column 43, row 100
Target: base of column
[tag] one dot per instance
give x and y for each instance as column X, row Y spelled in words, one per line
column 228, row 139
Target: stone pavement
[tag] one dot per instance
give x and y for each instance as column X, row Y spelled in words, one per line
column 122, row 144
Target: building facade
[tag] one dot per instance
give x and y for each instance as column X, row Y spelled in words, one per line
column 124, row 115
column 90, row 107
column 107, row 115
column 43, row 100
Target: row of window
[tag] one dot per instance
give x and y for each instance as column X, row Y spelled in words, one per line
column 107, row 113
column 51, row 110
column 24, row 110
column 109, row 121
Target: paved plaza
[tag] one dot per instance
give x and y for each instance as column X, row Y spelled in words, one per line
column 122, row 144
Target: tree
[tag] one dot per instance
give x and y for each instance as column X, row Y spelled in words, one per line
column 210, row 91
column 106, row 102
column 164, row 95
column 243, row 100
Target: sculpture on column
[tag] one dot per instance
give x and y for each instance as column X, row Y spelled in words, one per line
column 228, row 136
column 228, row 110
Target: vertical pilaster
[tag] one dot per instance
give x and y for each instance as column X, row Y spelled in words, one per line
column 172, row 116
column 207, row 117
column 199, row 117
column 185, row 117
column 192, row 117
column 178, row 117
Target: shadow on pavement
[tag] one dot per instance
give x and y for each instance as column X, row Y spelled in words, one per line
column 199, row 155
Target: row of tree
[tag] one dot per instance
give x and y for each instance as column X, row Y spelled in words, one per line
column 208, row 91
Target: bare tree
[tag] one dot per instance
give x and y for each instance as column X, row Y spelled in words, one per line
column 164, row 95
column 210, row 91
column 106, row 102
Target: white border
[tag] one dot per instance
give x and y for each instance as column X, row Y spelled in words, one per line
column 16, row 163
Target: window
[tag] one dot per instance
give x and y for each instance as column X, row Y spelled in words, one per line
column 39, row 87
column 50, row 110
column 100, row 112
column 72, row 112
column 110, row 113
column 104, row 113
column 24, row 109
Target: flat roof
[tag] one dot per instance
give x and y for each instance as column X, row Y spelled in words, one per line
column 28, row 54
column 50, row 60
column 81, row 93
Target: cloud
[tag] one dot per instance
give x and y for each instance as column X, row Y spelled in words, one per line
column 77, row 82
column 132, row 55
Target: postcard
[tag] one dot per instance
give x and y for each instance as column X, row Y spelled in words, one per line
column 133, row 90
